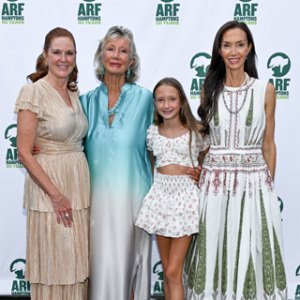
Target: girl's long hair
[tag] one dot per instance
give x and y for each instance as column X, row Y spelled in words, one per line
column 186, row 116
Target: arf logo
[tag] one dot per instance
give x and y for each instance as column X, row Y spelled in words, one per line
column 245, row 11
column 280, row 204
column 167, row 13
column 280, row 64
column 10, row 135
column 298, row 271
column 158, row 289
column 12, row 12
column 89, row 13
column 297, row 293
column 19, row 285
column 200, row 63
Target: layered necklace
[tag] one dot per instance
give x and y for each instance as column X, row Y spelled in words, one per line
column 245, row 82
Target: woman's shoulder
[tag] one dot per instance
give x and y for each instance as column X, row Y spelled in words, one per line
column 30, row 89
column 30, row 98
column 261, row 87
column 142, row 90
column 260, row 83
column 89, row 95
column 40, row 86
column 31, row 86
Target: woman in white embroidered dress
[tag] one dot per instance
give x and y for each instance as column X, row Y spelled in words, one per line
column 238, row 251
column 171, row 208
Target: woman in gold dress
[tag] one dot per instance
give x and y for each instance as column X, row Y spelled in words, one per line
column 56, row 193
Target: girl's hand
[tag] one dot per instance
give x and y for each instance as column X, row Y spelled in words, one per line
column 36, row 149
column 63, row 210
column 194, row 173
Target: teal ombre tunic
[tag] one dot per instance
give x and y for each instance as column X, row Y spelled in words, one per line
column 121, row 176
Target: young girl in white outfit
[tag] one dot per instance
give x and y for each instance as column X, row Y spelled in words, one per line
column 171, row 208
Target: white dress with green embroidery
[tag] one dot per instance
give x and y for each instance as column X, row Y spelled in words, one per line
column 237, row 253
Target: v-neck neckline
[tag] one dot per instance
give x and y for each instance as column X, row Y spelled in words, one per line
column 117, row 115
column 61, row 98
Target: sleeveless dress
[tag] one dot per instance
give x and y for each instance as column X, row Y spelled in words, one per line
column 237, row 253
column 57, row 263
column 120, row 178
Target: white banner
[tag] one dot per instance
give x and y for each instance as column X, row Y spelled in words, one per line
column 173, row 38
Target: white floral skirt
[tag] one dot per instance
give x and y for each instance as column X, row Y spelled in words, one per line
column 171, row 208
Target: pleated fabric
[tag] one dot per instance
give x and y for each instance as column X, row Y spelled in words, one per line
column 57, row 264
column 59, row 292
column 57, row 254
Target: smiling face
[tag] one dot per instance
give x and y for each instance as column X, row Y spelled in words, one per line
column 167, row 102
column 116, row 57
column 234, row 49
column 61, row 57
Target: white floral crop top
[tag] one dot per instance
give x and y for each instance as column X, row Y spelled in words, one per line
column 168, row 151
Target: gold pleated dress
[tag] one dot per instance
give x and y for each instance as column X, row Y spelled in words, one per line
column 57, row 257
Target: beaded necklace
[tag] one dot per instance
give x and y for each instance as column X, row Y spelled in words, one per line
column 112, row 110
column 246, row 81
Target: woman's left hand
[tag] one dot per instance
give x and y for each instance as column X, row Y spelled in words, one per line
column 194, row 173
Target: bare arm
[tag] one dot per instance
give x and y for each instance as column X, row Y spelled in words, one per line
column 27, row 126
column 194, row 173
column 152, row 159
column 268, row 145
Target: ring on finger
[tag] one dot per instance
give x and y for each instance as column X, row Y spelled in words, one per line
column 67, row 215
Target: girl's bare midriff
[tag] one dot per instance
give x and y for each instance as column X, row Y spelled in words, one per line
column 173, row 170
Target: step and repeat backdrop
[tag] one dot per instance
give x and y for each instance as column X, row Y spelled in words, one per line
column 173, row 38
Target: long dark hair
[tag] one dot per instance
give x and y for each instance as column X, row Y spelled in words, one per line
column 41, row 63
column 214, row 81
column 186, row 116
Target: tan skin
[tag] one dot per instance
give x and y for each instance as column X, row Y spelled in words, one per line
column 234, row 49
column 268, row 144
column 172, row 250
column 61, row 61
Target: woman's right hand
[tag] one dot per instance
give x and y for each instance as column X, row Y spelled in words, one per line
column 27, row 128
column 63, row 210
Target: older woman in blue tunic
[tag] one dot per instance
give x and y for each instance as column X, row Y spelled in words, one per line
column 119, row 113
